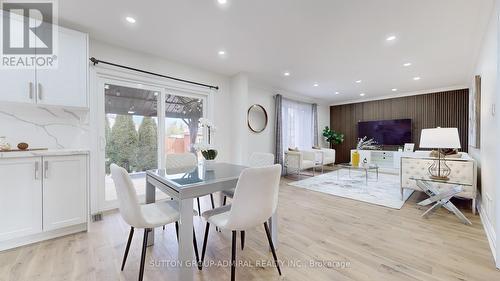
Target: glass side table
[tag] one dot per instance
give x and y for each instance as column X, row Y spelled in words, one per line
column 440, row 196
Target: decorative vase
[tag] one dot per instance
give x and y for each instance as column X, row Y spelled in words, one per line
column 209, row 164
column 4, row 145
column 355, row 158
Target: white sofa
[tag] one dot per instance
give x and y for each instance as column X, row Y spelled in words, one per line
column 463, row 170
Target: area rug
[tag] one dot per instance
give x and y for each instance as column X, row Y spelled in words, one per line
column 384, row 192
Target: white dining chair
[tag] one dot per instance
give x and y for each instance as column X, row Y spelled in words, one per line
column 147, row 216
column 255, row 201
column 185, row 160
column 257, row 159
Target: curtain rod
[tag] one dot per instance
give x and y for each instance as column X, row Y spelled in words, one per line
column 96, row 61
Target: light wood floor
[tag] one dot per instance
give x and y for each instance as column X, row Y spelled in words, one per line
column 376, row 243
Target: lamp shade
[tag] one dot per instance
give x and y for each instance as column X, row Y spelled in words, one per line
column 440, row 138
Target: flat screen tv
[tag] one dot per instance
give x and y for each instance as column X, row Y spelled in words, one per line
column 386, row 132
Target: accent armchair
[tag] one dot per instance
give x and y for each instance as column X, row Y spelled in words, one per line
column 297, row 161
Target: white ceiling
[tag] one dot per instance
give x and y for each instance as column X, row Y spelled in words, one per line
column 329, row 42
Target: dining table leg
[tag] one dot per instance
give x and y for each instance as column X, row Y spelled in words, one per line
column 150, row 198
column 185, row 249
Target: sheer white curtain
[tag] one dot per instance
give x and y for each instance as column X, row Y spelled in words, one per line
column 297, row 126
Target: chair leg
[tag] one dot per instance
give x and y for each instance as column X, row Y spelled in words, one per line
column 130, row 235
column 199, row 209
column 242, row 240
column 195, row 245
column 224, row 201
column 271, row 245
column 233, row 257
column 163, row 227
column 143, row 255
column 212, row 200
column 207, row 229
column 177, row 230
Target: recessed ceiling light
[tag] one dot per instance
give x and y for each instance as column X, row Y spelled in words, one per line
column 394, row 89
column 362, row 94
column 286, row 73
column 315, row 85
column 156, row 94
column 337, row 93
column 221, row 52
column 391, row 38
column 407, row 64
column 130, row 19
column 222, row 2
column 358, row 81
column 416, row 78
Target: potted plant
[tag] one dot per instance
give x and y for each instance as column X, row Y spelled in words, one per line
column 332, row 137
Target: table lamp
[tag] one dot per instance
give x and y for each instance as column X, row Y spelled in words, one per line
column 439, row 138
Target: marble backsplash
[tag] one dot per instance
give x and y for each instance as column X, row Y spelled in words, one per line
column 53, row 128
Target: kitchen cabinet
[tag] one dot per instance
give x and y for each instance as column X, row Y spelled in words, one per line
column 64, row 85
column 64, row 191
column 20, row 197
column 42, row 197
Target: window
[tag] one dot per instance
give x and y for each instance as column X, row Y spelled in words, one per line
column 297, row 125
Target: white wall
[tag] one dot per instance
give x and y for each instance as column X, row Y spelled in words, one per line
column 487, row 154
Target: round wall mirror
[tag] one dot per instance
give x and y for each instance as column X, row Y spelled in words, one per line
column 257, row 118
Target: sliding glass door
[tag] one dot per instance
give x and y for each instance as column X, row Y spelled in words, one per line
column 182, row 129
column 141, row 125
column 131, row 132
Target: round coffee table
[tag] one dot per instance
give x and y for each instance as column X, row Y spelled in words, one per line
column 366, row 167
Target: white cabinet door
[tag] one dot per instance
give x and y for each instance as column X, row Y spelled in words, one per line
column 17, row 85
column 66, row 85
column 64, row 191
column 20, row 197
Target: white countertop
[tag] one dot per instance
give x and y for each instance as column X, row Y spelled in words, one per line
column 38, row 153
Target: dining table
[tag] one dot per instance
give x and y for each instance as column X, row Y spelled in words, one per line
column 184, row 185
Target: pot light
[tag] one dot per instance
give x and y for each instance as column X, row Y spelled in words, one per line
column 407, row 64
column 286, row 73
column 416, row 78
column 391, row 38
column 130, row 19
column 394, row 89
column 362, row 94
column 221, row 52
column 222, row 2
column 315, row 85
column 337, row 93
column 358, row 81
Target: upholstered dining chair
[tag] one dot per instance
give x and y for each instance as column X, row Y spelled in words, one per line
column 257, row 159
column 147, row 216
column 255, row 201
column 185, row 160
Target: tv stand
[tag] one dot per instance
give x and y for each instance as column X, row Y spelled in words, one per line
column 385, row 159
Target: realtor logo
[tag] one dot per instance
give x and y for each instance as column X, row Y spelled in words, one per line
column 29, row 33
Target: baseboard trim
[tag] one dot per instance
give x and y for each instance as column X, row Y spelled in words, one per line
column 490, row 231
column 30, row 239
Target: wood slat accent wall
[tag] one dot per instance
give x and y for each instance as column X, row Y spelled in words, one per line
column 441, row 109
